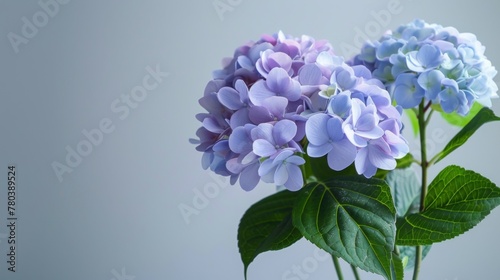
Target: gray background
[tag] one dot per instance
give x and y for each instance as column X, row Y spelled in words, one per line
column 117, row 213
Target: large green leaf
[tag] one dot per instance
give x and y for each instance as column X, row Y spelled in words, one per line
column 485, row 115
column 457, row 200
column 267, row 225
column 352, row 218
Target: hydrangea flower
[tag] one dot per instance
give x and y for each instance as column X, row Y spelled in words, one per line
column 279, row 94
column 421, row 61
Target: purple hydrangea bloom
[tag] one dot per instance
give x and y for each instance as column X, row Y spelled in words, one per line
column 279, row 93
column 449, row 67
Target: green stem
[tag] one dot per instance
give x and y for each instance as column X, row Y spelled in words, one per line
column 337, row 267
column 355, row 271
column 422, row 122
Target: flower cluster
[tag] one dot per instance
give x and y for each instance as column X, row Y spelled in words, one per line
column 421, row 60
column 279, row 94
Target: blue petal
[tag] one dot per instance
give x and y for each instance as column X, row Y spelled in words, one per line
column 429, row 56
column 310, row 74
column 316, row 129
column 295, row 179
column 318, row 151
column 263, row 148
column 263, row 131
column 342, row 155
column 230, row 98
column 334, row 129
column 284, row 131
column 249, row 177
column 281, row 175
column 239, row 140
column 259, row 92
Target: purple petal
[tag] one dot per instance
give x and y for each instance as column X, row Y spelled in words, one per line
column 381, row 159
column 284, row 131
column 318, row 151
column 278, row 80
column 334, row 129
column 295, row 179
column 234, row 166
column 276, row 105
column 240, row 118
column 310, row 74
column 263, row 131
column 355, row 139
column 242, row 88
column 363, row 164
column 239, row 140
column 207, row 159
column 341, row 155
column 249, row 177
column 263, row 148
column 266, row 171
column 283, row 155
column 248, row 158
column 211, row 125
column 230, row 98
column 259, row 92
column 316, row 129
column 281, row 175
column 259, row 114
column 213, row 86
column 296, row 160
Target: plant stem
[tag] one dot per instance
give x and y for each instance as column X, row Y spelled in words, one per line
column 422, row 123
column 355, row 271
column 337, row 267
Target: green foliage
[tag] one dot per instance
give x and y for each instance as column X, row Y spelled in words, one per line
column 485, row 115
column 457, row 200
column 267, row 225
column 352, row 218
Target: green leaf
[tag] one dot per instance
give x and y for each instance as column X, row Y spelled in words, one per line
column 352, row 218
column 459, row 120
column 457, row 200
column 397, row 268
column 267, row 225
column 485, row 115
column 405, row 189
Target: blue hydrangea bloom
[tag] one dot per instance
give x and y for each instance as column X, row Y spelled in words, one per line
column 419, row 61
